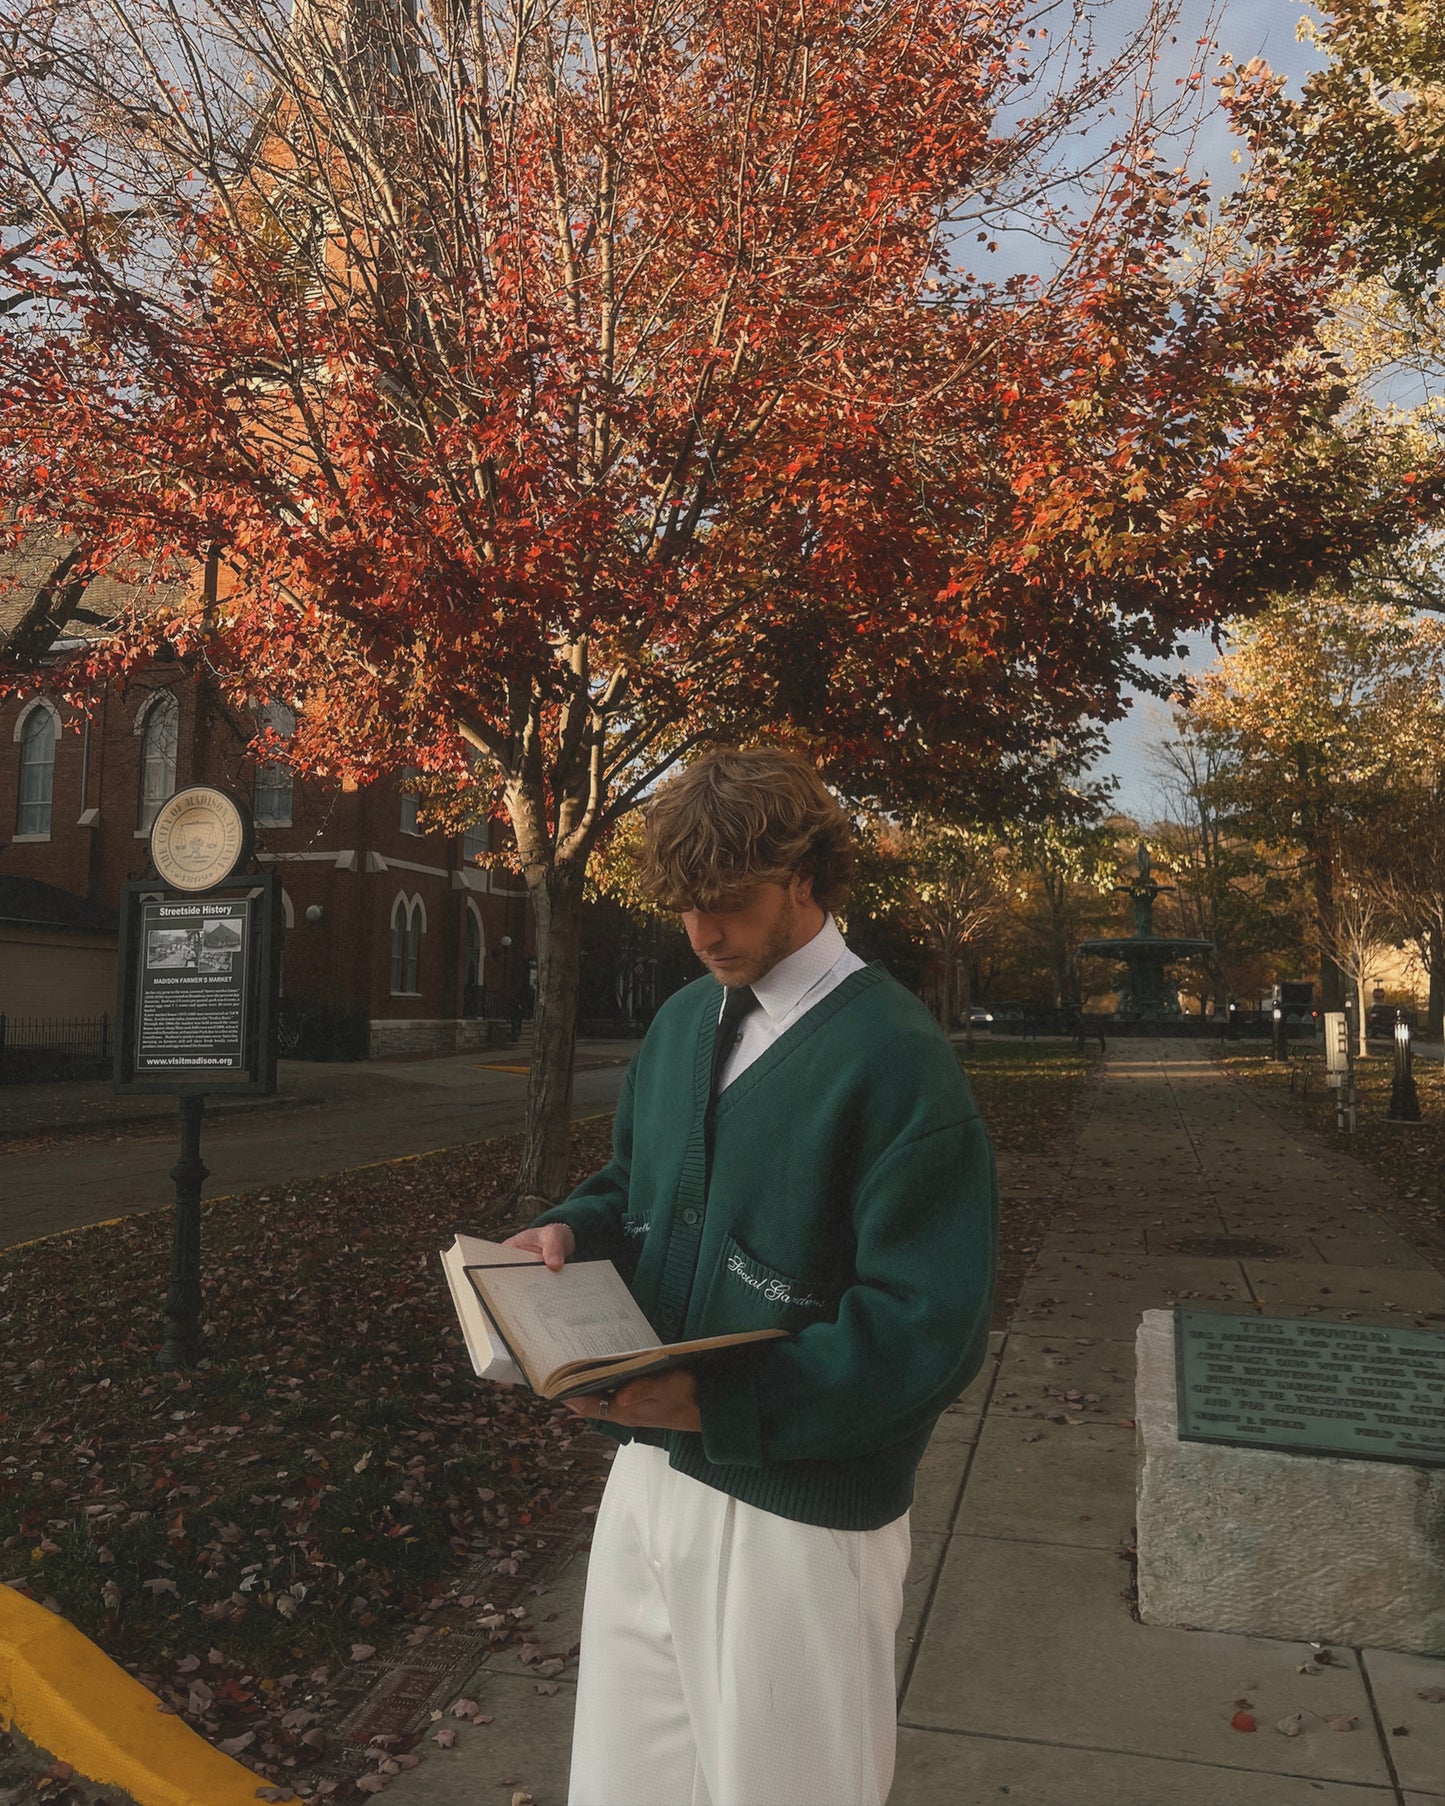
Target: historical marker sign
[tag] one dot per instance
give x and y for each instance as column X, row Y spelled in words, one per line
column 197, row 988
column 1315, row 1388
column 192, row 1007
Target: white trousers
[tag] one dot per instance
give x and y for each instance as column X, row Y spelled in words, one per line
column 731, row 1657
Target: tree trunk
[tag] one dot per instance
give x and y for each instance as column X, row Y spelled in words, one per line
column 546, row 1139
column 1333, row 981
column 1432, row 957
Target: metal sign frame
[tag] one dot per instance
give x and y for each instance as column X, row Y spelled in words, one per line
column 260, row 989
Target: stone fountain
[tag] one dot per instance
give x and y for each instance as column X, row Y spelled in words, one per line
column 1148, row 994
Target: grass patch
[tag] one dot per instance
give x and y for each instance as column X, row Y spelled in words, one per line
column 1409, row 1157
column 1026, row 1089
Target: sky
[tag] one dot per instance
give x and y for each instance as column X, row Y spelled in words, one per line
column 1246, row 28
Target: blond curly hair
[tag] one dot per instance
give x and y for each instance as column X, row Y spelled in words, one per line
column 738, row 818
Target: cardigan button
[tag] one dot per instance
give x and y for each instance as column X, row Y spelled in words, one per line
column 691, row 1216
column 668, row 1322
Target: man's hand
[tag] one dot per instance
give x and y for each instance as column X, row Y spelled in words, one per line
column 555, row 1243
column 659, row 1401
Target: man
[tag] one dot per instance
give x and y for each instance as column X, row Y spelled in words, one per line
column 795, row 1148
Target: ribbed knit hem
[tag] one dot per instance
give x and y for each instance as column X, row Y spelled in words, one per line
column 862, row 1494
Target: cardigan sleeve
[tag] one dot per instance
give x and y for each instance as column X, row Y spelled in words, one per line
column 910, row 1333
column 595, row 1209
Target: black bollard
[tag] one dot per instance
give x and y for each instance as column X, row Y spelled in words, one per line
column 1404, row 1098
column 183, row 1301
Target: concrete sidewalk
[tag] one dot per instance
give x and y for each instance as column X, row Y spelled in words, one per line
column 1021, row 1673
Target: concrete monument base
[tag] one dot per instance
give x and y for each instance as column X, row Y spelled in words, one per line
column 1305, row 1547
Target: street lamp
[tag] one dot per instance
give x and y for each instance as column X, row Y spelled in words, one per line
column 1278, row 1049
column 1404, row 1099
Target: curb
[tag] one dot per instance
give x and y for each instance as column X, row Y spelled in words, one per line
column 235, row 1107
column 118, row 1736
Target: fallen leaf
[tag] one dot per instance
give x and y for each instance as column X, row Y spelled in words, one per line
column 445, row 1738
column 1343, row 1721
column 1244, row 1721
column 362, row 1652
column 1291, row 1726
column 1435, row 1695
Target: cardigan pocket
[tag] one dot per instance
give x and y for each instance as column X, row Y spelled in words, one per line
column 747, row 1293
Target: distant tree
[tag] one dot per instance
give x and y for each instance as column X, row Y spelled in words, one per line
column 1363, row 145
column 1402, row 862
column 947, row 885
column 1064, row 869
column 1319, row 710
column 1230, row 890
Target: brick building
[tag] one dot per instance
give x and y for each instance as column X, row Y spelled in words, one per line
column 395, row 937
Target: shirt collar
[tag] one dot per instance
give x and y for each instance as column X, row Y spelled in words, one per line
column 783, row 988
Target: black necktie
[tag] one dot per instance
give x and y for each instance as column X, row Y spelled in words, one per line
column 739, row 1002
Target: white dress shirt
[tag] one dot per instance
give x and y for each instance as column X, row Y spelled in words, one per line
column 787, row 992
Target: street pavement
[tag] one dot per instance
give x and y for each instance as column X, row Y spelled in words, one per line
column 76, row 1154
column 1021, row 1672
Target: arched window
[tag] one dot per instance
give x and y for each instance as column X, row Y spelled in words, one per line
column 408, row 924
column 157, row 728
column 35, row 731
column 474, row 949
column 273, row 780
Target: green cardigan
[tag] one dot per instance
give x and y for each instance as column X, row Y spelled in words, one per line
column 851, row 1201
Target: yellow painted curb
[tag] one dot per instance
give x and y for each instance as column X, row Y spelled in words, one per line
column 75, row 1703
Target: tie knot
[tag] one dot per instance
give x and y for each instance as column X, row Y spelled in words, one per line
column 740, row 1001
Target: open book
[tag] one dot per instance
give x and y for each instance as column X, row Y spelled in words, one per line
column 578, row 1330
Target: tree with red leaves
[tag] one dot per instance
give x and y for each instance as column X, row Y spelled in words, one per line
column 574, row 381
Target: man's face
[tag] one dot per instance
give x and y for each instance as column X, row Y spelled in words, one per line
column 739, row 945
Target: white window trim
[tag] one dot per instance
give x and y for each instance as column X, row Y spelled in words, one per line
column 36, row 702
column 38, row 705
column 155, row 700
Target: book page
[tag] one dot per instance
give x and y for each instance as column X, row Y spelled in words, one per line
column 583, row 1313
column 490, row 1360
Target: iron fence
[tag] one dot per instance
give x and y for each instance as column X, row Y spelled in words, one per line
column 37, row 1048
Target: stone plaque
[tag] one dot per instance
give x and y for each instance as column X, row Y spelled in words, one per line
column 1310, row 1387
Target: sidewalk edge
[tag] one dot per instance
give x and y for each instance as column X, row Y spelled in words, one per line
column 78, row 1706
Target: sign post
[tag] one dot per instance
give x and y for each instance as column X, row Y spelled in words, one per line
column 1339, row 1067
column 198, row 982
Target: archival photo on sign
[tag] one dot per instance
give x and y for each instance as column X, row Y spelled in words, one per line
column 193, row 995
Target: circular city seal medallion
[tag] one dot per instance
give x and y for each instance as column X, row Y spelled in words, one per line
column 199, row 838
